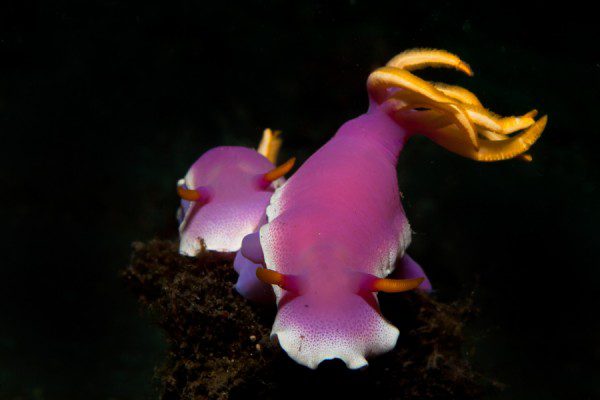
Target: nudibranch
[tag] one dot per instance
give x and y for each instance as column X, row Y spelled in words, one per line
column 336, row 227
column 225, row 193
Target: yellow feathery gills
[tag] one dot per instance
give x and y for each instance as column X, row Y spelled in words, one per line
column 451, row 116
column 270, row 144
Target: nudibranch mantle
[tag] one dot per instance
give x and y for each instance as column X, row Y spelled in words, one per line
column 225, row 194
column 357, row 176
column 336, row 227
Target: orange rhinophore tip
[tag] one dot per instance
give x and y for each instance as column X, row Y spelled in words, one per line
column 394, row 285
column 280, row 171
column 188, row 194
column 199, row 194
column 271, row 277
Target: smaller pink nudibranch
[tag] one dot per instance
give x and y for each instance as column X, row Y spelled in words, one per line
column 336, row 228
column 225, row 193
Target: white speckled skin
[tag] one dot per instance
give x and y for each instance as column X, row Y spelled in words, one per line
column 350, row 330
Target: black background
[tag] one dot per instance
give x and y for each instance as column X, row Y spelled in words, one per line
column 104, row 104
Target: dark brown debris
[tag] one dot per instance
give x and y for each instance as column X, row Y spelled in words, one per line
column 219, row 347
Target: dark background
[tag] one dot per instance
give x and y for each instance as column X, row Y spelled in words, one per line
column 104, row 105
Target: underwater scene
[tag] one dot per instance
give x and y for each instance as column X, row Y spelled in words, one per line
column 291, row 200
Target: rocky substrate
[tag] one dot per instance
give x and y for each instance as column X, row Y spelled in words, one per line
column 219, row 347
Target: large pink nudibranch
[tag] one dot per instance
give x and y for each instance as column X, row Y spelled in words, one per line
column 336, row 228
column 225, row 193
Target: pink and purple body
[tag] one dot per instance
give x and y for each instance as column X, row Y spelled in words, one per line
column 336, row 228
column 224, row 196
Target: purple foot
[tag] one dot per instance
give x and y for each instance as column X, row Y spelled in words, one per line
column 407, row 268
column 248, row 284
column 251, row 248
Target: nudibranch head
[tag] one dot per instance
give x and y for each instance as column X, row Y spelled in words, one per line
column 224, row 196
column 349, row 329
column 324, row 316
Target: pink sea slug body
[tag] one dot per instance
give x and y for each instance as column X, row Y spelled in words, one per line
column 224, row 197
column 336, row 228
